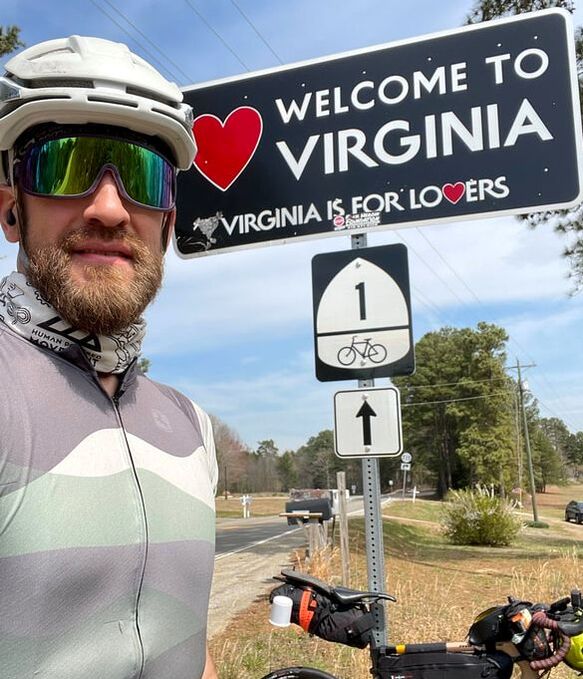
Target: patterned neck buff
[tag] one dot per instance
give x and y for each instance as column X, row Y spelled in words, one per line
column 25, row 312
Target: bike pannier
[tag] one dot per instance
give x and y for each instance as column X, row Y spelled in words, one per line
column 445, row 666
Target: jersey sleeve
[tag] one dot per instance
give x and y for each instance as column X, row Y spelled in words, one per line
column 209, row 444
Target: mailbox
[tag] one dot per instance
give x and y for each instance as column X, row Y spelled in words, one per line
column 319, row 505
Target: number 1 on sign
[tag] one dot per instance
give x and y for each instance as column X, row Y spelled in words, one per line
column 361, row 300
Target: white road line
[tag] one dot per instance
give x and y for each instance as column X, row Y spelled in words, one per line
column 280, row 535
column 254, row 544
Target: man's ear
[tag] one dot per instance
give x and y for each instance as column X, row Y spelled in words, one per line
column 8, row 214
column 168, row 228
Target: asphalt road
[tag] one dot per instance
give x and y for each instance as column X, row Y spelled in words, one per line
column 235, row 535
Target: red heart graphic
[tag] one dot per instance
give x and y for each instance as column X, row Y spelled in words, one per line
column 225, row 149
column 454, row 192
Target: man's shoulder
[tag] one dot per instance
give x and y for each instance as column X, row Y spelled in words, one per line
column 189, row 407
column 199, row 418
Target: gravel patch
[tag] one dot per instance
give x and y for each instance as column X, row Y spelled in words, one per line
column 242, row 577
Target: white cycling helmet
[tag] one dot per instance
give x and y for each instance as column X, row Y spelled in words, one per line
column 79, row 80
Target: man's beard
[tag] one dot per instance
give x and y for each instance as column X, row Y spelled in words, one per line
column 108, row 300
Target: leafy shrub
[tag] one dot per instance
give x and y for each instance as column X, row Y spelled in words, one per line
column 477, row 518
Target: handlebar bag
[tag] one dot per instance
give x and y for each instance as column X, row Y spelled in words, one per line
column 445, row 666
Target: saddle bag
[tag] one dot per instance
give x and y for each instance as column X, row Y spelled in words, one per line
column 319, row 615
column 445, row 666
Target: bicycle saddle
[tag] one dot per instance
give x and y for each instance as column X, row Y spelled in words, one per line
column 353, row 596
column 343, row 595
column 304, row 580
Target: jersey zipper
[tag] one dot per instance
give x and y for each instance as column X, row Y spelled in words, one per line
column 115, row 401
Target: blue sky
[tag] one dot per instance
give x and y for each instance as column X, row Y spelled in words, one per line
column 234, row 331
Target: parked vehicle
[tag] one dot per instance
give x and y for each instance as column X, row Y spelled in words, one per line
column 574, row 511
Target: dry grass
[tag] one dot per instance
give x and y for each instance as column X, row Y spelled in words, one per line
column 439, row 587
column 260, row 506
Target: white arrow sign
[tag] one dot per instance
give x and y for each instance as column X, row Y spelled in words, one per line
column 367, row 423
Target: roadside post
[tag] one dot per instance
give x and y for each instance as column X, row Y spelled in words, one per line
column 480, row 121
column 406, row 459
column 343, row 517
column 404, row 468
column 315, row 525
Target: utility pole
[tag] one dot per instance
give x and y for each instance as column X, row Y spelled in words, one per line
column 517, row 367
column 518, row 446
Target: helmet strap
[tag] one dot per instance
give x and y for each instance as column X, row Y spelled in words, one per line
column 22, row 260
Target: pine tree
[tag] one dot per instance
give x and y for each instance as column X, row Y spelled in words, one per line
column 9, row 39
column 567, row 222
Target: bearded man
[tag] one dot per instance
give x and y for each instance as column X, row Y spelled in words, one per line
column 107, row 478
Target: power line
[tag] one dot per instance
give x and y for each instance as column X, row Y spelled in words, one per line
column 150, row 42
column 217, row 34
column 426, row 302
column 433, row 271
column 555, row 414
column 458, row 383
column 263, row 40
column 144, row 49
column 449, row 266
column 466, row 286
column 479, row 301
column 552, row 388
column 506, row 392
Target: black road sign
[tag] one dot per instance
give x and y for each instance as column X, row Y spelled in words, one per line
column 362, row 314
column 482, row 120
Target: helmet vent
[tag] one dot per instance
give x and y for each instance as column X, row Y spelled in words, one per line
column 117, row 102
column 136, row 91
column 168, row 114
column 34, row 84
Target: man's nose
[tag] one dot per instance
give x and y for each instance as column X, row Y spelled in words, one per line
column 105, row 205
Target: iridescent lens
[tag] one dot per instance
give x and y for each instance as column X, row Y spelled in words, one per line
column 70, row 167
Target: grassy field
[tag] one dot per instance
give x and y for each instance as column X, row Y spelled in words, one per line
column 439, row 587
column 260, row 506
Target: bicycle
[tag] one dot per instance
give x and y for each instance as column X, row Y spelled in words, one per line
column 365, row 348
column 534, row 637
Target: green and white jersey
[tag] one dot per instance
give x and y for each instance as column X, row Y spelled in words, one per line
column 106, row 522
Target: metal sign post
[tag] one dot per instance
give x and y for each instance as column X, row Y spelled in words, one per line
column 373, row 521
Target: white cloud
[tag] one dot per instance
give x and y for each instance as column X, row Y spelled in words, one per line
column 287, row 395
column 223, row 299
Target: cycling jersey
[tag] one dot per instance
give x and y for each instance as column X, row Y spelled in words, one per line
column 106, row 522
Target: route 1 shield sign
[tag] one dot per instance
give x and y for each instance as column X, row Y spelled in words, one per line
column 362, row 314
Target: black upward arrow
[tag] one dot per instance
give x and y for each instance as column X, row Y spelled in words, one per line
column 366, row 412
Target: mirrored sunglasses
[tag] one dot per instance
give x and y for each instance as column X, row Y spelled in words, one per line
column 72, row 167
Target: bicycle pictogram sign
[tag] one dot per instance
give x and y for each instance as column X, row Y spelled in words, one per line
column 365, row 348
column 362, row 314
